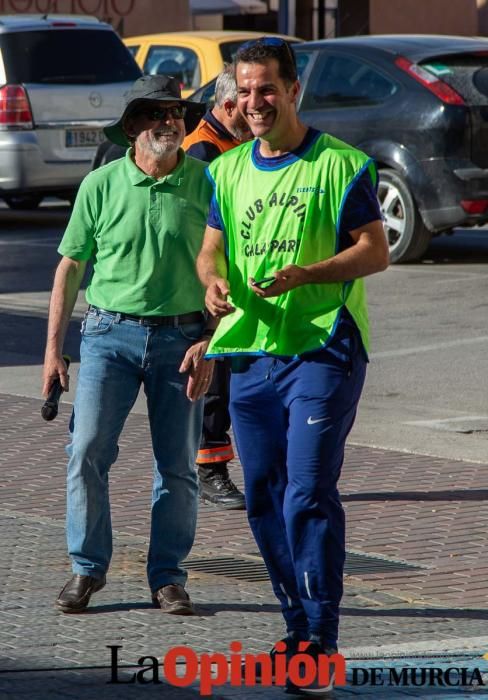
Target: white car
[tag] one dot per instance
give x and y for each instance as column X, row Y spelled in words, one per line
column 62, row 79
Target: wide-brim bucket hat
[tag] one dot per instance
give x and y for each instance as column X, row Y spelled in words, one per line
column 151, row 88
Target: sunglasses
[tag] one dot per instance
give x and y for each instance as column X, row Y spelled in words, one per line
column 157, row 114
column 274, row 41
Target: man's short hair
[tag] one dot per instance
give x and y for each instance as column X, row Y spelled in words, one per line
column 225, row 86
column 267, row 47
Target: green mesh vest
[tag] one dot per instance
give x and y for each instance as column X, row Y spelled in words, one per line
column 272, row 218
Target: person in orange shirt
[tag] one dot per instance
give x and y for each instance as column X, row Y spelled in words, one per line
column 220, row 129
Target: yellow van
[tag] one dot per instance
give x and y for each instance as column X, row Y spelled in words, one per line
column 192, row 57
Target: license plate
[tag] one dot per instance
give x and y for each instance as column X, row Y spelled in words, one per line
column 84, row 138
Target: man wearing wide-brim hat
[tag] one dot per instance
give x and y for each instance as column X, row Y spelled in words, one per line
column 139, row 220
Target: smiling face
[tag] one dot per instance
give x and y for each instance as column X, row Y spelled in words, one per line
column 267, row 101
column 157, row 137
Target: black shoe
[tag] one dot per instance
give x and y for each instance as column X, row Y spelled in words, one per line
column 291, row 643
column 217, row 487
column 75, row 596
column 317, row 687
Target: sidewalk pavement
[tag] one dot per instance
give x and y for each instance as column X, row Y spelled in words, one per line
column 415, row 594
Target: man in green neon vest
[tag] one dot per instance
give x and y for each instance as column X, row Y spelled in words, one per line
column 293, row 228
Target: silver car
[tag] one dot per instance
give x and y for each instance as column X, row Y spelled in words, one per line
column 62, row 78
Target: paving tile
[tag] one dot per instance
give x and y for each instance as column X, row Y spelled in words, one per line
column 393, row 518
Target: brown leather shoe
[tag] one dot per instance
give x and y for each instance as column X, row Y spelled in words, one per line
column 75, row 596
column 173, row 599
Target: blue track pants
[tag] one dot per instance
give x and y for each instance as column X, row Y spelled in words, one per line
column 291, row 418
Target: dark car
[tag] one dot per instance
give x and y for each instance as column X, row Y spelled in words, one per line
column 419, row 106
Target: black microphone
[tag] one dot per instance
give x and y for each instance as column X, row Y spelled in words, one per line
column 49, row 411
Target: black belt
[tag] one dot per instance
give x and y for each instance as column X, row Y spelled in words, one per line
column 174, row 321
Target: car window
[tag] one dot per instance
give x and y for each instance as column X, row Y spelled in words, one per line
column 133, row 50
column 228, row 49
column 302, row 58
column 177, row 61
column 340, row 81
column 205, row 94
column 74, row 56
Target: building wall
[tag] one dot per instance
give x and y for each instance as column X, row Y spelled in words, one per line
column 304, row 10
column 208, row 22
column 354, row 17
column 483, row 17
column 426, row 17
column 129, row 17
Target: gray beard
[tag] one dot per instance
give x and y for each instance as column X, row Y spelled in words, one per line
column 157, row 147
column 241, row 133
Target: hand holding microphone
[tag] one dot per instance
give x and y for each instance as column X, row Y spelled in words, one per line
column 49, row 411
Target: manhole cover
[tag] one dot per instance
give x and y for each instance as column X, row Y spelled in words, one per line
column 255, row 570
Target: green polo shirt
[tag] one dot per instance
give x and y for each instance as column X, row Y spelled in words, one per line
column 142, row 235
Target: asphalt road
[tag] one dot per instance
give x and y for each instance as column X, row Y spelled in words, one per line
column 427, row 386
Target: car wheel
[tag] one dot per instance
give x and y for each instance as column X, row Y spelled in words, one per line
column 407, row 236
column 23, row 201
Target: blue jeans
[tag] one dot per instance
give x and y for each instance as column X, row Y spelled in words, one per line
column 117, row 356
column 291, row 418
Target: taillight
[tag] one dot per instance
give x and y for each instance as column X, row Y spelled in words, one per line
column 15, row 111
column 474, row 206
column 441, row 89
